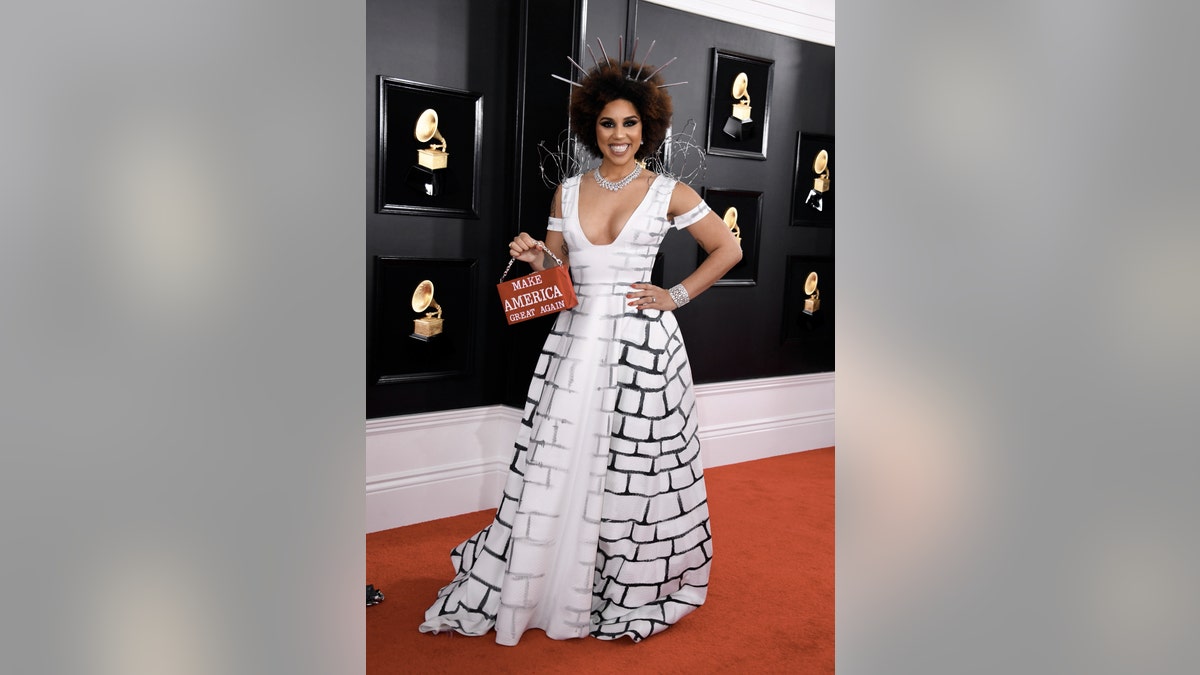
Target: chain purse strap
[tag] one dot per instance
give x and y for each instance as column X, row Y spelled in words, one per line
column 513, row 260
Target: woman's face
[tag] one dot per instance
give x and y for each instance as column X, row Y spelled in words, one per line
column 619, row 132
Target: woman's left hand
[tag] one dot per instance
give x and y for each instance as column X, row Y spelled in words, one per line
column 649, row 296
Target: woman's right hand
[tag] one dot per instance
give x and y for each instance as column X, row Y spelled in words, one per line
column 525, row 248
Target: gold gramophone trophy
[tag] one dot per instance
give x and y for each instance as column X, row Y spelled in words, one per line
column 813, row 302
column 739, row 126
column 427, row 175
column 816, row 196
column 429, row 325
column 731, row 222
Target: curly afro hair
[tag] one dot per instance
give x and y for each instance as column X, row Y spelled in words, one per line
column 610, row 81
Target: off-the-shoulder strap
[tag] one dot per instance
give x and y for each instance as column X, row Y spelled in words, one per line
column 696, row 213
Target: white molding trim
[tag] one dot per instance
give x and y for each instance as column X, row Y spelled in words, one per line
column 762, row 384
column 440, row 464
column 715, row 431
column 811, row 20
column 385, row 425
column 406, row 479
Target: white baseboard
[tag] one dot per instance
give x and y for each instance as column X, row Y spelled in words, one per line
column 435, row 465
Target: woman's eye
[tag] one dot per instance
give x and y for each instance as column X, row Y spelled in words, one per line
column 631, row 123
column 606, row 124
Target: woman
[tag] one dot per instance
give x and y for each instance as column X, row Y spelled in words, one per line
column 603, row 526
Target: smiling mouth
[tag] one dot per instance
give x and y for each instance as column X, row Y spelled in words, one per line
column 618, row 149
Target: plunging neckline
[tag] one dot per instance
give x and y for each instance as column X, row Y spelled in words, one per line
column 625, row 226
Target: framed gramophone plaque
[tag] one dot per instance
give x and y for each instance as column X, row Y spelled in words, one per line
column 422, row 319
column 739, row 106
column 427, row 161
column 742, row 212
column 814, row 181
column 809, row 303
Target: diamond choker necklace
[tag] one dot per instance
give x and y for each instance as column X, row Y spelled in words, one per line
column 617, row 185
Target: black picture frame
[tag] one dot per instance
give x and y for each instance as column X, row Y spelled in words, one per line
column 749, row 221
column 751, row 138
column 402, row 185
column 805, row 198
column 395, row 355
column 812, row 333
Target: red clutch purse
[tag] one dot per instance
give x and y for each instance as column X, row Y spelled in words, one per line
column 537, row 294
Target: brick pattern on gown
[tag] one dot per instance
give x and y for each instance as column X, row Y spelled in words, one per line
column 603, row 526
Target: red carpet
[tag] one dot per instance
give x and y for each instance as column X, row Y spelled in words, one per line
column 770, row 597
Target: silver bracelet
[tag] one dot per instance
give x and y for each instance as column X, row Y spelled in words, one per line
column 679, row 295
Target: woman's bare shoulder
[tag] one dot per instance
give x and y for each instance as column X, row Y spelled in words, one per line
column 683, row 198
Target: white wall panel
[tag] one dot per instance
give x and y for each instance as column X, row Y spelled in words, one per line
column 810, row 20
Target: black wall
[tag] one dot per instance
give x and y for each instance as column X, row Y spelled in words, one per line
column 506, row 51
column 465, row 45
column 736, row 332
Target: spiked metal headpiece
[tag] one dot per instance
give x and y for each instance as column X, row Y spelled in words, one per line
column 629, row 75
